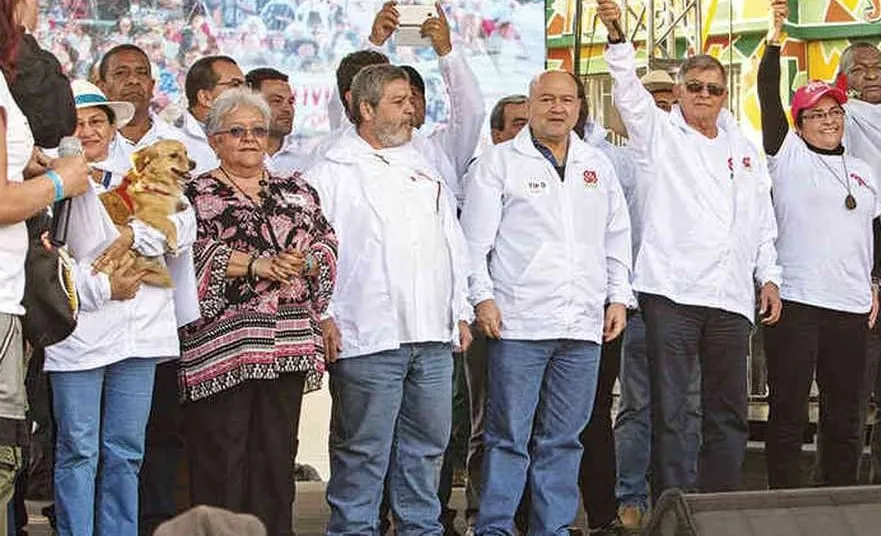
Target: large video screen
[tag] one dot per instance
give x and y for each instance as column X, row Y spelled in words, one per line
column 504, row 41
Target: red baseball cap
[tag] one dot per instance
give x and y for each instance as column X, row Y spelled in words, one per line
column 808, row 95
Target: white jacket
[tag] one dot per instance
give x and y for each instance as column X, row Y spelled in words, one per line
column 347, row 179
column 193, row 136
column 698, row 246
column 109, row 331
column 551, row 253
column 450, row 147
column 862, row 132
column 180, row 266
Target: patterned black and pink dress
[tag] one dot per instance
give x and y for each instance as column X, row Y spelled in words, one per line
column 255, row 330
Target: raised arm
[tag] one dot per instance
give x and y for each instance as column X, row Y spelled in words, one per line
column 775, row 127
column 634, row 102
column 467, row 110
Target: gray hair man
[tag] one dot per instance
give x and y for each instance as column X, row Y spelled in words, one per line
column 707, row 242
column 508, row 116
column 398, row 311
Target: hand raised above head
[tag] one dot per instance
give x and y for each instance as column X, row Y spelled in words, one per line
column 609, row 13
column 438, row 30
column 777, row 17
column 384, row 24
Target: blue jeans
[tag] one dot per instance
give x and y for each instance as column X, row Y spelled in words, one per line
column 391, row 414
column 539, row 399
column 102, row 417
column 633, row 428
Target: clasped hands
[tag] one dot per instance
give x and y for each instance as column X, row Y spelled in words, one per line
column 285, row 266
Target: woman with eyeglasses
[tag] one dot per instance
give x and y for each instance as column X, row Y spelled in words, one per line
column 266, row 264
column 825, row 200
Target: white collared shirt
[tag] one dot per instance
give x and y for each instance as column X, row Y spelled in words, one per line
column 707, row 235
column 193, row 136
column 289, row 159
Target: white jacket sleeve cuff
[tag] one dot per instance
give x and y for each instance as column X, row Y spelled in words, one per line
column 771, row 274
column 93, row 291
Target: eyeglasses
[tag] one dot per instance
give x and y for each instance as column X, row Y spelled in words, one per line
column 834, row 113
column 696, row 87
column 234, row 83
column 240, row 132
column 95, row 123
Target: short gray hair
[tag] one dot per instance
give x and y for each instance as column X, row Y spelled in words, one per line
column 369, row 85
column 845, row 63
column 497, row 117
column 232, row 100
column 702, row 62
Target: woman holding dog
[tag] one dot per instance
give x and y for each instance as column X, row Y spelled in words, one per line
column 102, row 375
column 266, row 265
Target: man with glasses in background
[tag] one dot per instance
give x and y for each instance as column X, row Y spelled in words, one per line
column 707, row 242
column 206, row 80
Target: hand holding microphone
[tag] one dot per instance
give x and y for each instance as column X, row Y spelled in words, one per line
column 70, row 176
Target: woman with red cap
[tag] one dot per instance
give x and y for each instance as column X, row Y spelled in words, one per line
column 825, row 201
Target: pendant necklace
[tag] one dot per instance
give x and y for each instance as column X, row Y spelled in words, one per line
column 262, row 183
column 850, row 202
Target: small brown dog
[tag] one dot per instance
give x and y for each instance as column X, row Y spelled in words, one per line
column 151, row 192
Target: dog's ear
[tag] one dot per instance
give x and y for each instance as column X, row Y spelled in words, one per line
column 142, row 158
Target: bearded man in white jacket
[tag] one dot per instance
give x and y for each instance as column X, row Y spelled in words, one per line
column 400, row 302
column 707, row 242
column 548, row 234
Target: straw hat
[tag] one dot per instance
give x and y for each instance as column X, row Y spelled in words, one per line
column 87, row 95
column 657, row 81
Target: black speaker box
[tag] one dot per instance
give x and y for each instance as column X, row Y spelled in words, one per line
column 852, row 511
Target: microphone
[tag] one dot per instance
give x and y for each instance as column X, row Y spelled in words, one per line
column 69, row 146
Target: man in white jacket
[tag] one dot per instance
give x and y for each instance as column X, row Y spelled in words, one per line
column 860, row 64
column 549, row 245
column 707, row 241
column 400, row 301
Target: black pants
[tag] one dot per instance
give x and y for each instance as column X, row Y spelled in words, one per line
column 680, row 338
column 163, row 451
column 597, row 477
column 833, row 343
column 241, row 449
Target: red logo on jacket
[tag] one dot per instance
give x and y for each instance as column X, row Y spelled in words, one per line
column 859, row 180
column 590, row 178
column 747, row 163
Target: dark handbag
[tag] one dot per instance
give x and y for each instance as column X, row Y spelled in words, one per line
column 49, row 294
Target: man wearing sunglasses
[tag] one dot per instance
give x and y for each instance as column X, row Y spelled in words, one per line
column 206, row 80
column 708, row 234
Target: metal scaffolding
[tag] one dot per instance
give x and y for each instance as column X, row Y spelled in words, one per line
column 663, row 22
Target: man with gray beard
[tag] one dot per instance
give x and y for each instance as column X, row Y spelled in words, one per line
column 398, row 311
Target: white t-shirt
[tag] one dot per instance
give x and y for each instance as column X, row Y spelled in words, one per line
column 716, row 154
column 14, row 237
column 826, row 250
